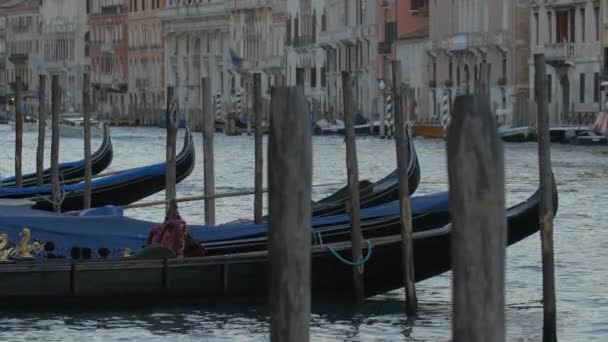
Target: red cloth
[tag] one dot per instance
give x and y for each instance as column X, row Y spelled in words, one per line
column 174, row 234
column 171, row 234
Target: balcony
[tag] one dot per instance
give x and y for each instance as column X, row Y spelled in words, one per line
column 305, row 40
column 142, row 83
column 18, row 58
column 384, row 48
column 247, row 4
column 568, row 53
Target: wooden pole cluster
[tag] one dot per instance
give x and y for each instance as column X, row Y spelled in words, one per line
column 259, row 155
column 55, row 102
column 402, row 150
column 18, row 133
column 88, row 171
column 170, row 175
column 479, row 229
column 208, row 154
column 41, row 130
column 546, row 201
column 289, row 179
column 352, row 170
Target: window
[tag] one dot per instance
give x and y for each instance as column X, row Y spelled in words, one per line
column 417, row 5
column 561, row 22
column 143, row 5
column 582, row 88
column 596, row 87
column 323, row 77
column 583, row 24
column 536, row 28
column 450, row 71
column 504, row 67
column 550, row 27
column 597, row 23
column 549, row 87
column 390, row 32
column 313, row 77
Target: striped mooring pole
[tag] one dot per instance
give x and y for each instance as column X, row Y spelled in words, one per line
column 445, row 109
column 218, row 105
column 239, row 106
column 390, row 120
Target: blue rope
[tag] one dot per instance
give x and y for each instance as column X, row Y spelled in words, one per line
column 351, row 263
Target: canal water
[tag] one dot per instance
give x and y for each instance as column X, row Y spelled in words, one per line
column 581, row 249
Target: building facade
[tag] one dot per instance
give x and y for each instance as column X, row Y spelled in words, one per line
column 146, row 61
column 23, row 27
column 306, row 61
column 350, row 42
column 463, row 34
column 109, row 51
column 196, row 38
column 569, row 34
column 3, row 62
column 64, row 31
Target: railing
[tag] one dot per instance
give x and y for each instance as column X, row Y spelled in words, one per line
column 142, row 83
column 304, row 40
column 580, row 119
column 559, row 51
column 384, row 48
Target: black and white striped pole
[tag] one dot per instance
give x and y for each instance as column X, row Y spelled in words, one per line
column 218, row 106
column 390, row 121
column 445, row 109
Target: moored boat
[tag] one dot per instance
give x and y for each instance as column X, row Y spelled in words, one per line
column 242, row 275
column 100, row 160
column 122, row 188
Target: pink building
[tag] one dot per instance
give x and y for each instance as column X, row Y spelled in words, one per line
column 412, row 21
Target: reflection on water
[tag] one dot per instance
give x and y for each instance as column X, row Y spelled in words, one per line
column 581, row 249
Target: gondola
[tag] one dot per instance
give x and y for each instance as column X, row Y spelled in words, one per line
column 242, row 275
column 372, row 194
column 100, row 160
column 119, row 189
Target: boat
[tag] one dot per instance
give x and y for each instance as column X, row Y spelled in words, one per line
column 71, row 126
column 100, row 160
column 125, row 276
column 429, row 131
column 119, row 189
column 30, row 124
column 517, row 134
column 361, row 125
column 589, row 137
column 372, row 194
column 182, row 123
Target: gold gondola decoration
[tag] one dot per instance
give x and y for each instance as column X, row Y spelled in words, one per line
column 23, row 250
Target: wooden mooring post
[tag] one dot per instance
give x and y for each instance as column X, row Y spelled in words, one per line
column 86, row 112
column 55, row 103
column 170, row 175
column 352, row 170
column 18, row 133
column 546, row 200
column 479, row 228
column 259, row 155
column 208, row 154
column 402, row 150
column 41, row 130
column 290, row 180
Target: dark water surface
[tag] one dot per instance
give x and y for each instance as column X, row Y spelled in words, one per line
column 581, row 249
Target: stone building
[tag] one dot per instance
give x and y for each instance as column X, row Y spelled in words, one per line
column 3, row 62
column 146, row 61
column 109, row 58
column 350, row 43
column 196, row 40
column 23, row 27
column 569, row 33
column 64, row 32
column 306, row 62
column 465, row 33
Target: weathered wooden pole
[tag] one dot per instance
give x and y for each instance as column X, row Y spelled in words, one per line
column 55, row 103
column 170, row 174
column 546, row 200
column 86, row 112
column 402, row 149
column 208, row 154
column 259, row 155
column 479, row 229
column 18, row 133
column 289, row 181
column 41, row 130
column 353, row 185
